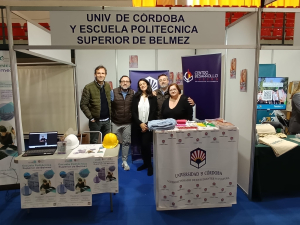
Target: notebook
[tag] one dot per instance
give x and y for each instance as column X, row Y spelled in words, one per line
column 41, row 143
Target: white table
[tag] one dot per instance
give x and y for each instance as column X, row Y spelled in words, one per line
column 33, row 170
column 195, row 168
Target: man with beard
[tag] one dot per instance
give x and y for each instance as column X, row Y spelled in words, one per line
column 121, row 101
column 95, row 104
column 162, row 93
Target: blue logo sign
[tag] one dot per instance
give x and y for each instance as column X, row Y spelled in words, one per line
column 198, row 158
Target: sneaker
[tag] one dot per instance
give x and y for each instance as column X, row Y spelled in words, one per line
column 125, row 165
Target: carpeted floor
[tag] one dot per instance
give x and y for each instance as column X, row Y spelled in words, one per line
column 135, row 205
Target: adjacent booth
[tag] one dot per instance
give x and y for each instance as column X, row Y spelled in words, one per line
column 216, row 66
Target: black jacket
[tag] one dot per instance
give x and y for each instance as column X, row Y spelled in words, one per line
column 135, row 111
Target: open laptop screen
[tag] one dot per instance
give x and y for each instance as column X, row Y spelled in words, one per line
column 42, row 140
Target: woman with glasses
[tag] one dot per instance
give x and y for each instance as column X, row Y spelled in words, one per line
column 144, row 106
column 177, row 106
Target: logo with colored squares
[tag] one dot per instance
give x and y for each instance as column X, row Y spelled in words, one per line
column 198, row 158
column 188, row 76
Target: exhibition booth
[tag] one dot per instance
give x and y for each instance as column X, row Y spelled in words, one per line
column 230, row 154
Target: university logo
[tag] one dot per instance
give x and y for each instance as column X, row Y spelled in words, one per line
column 189, row 191
column 222, row 199
column 153, row 82
column 197, row 185
column 197, row 139
column 173, row 193
column 223, row 133
column 179, row 140
column 180, row 197
column 4, row 59
column 173, row 203
column 230, row 193
column 163, row 141
column 215, row 138
column 222, row 189
column 214, row 183
column 165, row 197
column 171, row 135
column 188, row 76
column 205, row 199
column 213, row 194
column 205, row 189
column 230, row 183
column 206, row 133
column 188, row 134
column 231, row 138
column 189, row 201
column 165, row 186
column 180, row 186
column 198, row 158
column 197, row 196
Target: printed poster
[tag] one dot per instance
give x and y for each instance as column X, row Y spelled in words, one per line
column 133, row 61
column 104, row 175
column 171, row 78
column 37, row 183
column 72, row 179
column 179, row 78
column 8, row 140
column 243, row 81
column 197, row 168
column 233, row 69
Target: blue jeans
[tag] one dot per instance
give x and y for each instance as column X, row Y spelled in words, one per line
column 102, row 126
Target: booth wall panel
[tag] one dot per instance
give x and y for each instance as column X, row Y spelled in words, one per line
column 171, row 59
column 244, row 32
column 223, row 52
column 87, row 61
column 239, row 108
column 37, row 36
column 297, row 30
column 146, row 61
column 265, row 57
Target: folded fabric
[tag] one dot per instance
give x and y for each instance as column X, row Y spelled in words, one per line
column 265, row 129
column 278, row 145
column 181, row 121
column 167, row 124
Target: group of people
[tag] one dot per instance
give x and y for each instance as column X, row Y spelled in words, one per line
column 130, row 111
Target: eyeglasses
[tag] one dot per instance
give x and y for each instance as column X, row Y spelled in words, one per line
column 172, row 90
column 125, row 81
column 160, row 80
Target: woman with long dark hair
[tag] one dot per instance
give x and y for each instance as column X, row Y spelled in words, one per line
column 144, row 106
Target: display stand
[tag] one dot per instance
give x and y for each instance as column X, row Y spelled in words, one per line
column 195, row 168
column 109, row 153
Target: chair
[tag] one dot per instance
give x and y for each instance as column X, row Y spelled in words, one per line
column 265, row 34
column 277, row 34
column 289, row 34
column 279, row 20
column 18, row 34
column 234, row 19
column 278, row 25
column 46, row 25
column 290, row 25
column 238, row 14
column 227, row 15
column 269, row 15
column 279, row 15
column 290, row 16
column 266, row 24
column 25, row 27
column 16, row 25
column 226, row 23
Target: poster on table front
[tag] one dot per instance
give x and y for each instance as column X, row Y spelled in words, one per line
column 73, row 184
column 8, row 142
column 37, row 183
column 104, row 175
column 197, row 169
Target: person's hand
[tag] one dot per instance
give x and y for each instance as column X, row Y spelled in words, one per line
column 93, row 120
column 143, row 127
column 154, row 93
column 191, row 101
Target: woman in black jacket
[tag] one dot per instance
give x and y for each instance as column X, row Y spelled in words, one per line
column 144, row 106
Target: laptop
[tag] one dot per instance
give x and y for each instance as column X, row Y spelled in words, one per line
column 41, row 143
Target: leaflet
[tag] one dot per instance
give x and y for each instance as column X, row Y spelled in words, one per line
column 73, row 186
column 87, row 151
column 104, row 175
column 37, row 183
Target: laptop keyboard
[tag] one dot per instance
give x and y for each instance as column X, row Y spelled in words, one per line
column 39, row 152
